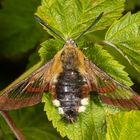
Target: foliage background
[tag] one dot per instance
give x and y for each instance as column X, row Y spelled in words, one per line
column 20, row 38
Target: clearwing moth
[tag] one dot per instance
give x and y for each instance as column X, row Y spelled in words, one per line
column 69, row 77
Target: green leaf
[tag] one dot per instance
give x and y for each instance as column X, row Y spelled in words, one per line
column 124, row 35
column 90, row 124
column 49, row 49
column 106, row 62
column 70, row 17
column 19, row 30
column 33, row 123
column 124, row 126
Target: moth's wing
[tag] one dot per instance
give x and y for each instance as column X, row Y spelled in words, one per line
column 28, row 91
column 111, row 91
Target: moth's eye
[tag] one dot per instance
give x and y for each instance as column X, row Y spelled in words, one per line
column 72, row 41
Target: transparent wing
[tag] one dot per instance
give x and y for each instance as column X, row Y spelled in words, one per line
column 111, row 91
column 27, row 92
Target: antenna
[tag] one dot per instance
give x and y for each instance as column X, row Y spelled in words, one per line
column 94, row 22
column 48, row 26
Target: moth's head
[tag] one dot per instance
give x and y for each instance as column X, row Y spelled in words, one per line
column 70, row 44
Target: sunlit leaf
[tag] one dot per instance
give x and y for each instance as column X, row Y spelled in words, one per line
column 124, row 34
column 70, row 17
column 124, row 126
column 106, row 62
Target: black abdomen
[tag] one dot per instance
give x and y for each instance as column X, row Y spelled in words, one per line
column 68, row 91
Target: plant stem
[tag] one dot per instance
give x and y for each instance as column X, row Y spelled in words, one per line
column 12, row 125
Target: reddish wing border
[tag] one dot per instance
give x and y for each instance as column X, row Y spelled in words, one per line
column 27, row 92
column 111, row 91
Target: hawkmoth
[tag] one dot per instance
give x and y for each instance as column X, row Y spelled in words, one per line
column 69, row 77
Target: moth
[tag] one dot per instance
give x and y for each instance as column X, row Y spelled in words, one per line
column 70, row 77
